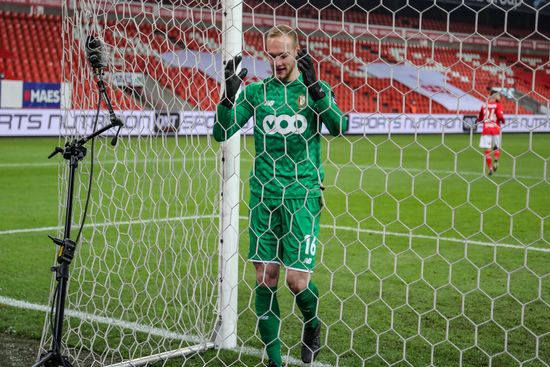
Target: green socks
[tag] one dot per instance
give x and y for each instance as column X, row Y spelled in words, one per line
column 307, row 301
column 269, row 320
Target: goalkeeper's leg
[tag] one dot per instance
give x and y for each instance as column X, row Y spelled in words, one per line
column 267, row 309
column 301, row 219
column 307, row 299
column 263, row 251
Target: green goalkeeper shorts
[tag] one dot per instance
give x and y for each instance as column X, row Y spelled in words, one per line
column 285, row 231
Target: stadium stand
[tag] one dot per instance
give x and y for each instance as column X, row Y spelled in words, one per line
column 341, row 59
column 32, row 49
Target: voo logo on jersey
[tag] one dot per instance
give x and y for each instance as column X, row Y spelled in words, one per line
column 284, row 124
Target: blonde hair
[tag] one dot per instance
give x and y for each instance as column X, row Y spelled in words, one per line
column 282, row 30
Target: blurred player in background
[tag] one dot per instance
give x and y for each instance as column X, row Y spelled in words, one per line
column 289, row 108
column 491, row 116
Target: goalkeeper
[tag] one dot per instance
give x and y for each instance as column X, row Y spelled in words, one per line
column 289, row 109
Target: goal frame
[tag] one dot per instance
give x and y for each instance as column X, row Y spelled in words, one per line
column 224, row 335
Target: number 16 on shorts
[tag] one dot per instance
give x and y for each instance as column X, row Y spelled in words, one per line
column 309, row 249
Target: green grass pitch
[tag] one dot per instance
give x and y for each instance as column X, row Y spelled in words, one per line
column 423, row 259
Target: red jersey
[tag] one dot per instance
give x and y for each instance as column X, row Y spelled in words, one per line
column 492, row 117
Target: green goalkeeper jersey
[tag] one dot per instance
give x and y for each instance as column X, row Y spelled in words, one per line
column 287, row 135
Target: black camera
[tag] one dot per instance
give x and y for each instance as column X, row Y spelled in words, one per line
column 94, row 50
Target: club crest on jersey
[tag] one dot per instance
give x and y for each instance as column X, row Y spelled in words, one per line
column 284, row 124
column 301, row 101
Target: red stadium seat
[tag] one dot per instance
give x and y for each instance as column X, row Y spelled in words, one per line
column 341, row 60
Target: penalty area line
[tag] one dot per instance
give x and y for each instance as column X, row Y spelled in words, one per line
column 443, row 239
column 325, row 226
column 326, row 165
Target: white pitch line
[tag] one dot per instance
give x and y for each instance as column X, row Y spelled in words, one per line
column 134, row 326
column 345, row 166
column 440, row 171
column 30, row 230
column 327, row 226
column 25, row 165
column 101, row 319
column 107, row 224
column 96, row 161
column 444, row 239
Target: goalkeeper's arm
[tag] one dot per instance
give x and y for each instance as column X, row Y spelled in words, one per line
column 322, row 95
column 331, row 115
column 229, row 120
column 231, row 115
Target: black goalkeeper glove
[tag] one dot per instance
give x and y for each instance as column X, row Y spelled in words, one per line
column 305, row 65
column 232, row 81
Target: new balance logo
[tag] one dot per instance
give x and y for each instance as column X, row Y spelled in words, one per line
column 284, row 124
column 265, row 317
column 269, row 103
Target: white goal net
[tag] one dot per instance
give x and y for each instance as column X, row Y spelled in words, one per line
column 423, row 258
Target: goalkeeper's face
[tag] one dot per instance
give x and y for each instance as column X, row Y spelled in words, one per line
column 281, row 52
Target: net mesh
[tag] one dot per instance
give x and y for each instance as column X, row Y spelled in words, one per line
column 422, row 258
